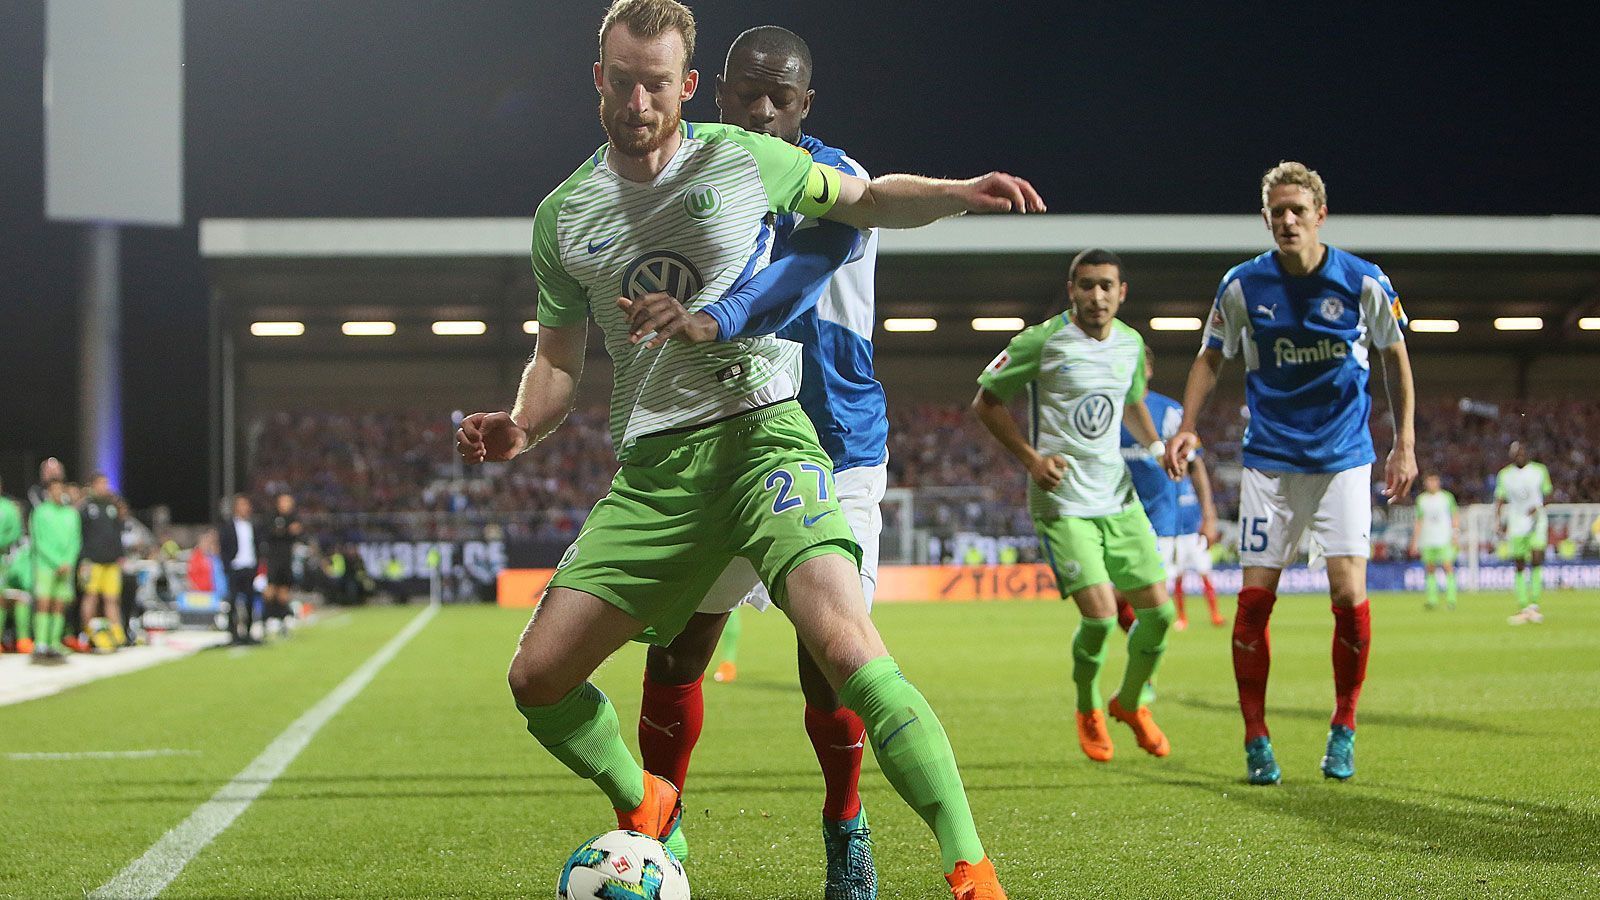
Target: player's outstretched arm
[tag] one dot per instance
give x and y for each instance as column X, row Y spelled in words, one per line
column 1196, row 391
column 549, row 385
column 1200, row 476
column 1400, row 470
column 911, row 201
column 1046, row 471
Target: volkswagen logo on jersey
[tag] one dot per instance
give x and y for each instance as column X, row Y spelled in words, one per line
column 1093, row 415
column 662, row 271
column 1332, row 309
column 702, row 202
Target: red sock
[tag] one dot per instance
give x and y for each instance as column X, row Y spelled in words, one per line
column 1252, row 657
column 1177, row 595
column 838, row 737
column 1125, row 615
column 1211, row 595
column 1352, row 642
column 670, row 717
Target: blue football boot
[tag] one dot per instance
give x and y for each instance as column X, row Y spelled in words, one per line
column 851, row 874
column 1340, row 760
column 1260, row 765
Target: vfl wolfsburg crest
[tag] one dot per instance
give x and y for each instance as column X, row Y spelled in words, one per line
column 1093, row 415
column 664, row 271
column 701, row 202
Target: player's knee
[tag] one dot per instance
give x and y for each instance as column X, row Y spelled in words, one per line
column 670, row 665
column 533, row 684
column 1347, row 594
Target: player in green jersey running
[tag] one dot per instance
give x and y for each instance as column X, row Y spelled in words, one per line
column 57, row 539
column 1519, row 492
column 1435, row 536
column 1084, row 373
column 717, row 458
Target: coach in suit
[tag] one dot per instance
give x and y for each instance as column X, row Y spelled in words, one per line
column 240, row 545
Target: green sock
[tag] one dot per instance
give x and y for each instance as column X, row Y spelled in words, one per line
column 1147, row 641
column 914, row 754
column 1431, row 579
column 1536, row 585
column 1520, row 581
column 728, row 644
column 1088, row 655
column 58, row 629
column 24, row 620
column 1450, row 588
column 3, row 613
column 581, row 731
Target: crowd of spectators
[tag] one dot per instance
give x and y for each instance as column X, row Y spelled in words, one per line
column 376, row 474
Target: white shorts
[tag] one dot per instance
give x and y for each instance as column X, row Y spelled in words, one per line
column 860, row 491
column 1276, row 508
column 1194, row 555
column 1168, row 548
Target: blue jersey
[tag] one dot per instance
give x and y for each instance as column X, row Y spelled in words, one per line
column 1188, row 507
column 1157, row 492
column 1305, row 341
column 819, row 292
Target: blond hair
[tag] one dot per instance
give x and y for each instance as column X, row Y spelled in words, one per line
column 1296, row 174
column 649, row 18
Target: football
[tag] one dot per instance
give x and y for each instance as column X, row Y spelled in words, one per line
column 622, row 864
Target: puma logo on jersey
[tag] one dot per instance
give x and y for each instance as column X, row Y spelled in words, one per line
column 1268, row 311
column 664, row 729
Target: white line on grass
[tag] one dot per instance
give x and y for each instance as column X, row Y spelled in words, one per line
column 101, row 754
column 150, row 874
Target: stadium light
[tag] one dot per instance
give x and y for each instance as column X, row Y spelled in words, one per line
column 530, row 327
column 1435, row 326
column 1518, row 323
column 1174, row 323
column 997, row 323
column 1589, row 323
column 367, row 329
column 910, row 324
column 277, row 329
column 468, row 326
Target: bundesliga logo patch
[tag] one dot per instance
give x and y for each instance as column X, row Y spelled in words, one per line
column 731, row 372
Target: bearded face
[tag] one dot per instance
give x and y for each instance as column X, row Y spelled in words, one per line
column 637, row 132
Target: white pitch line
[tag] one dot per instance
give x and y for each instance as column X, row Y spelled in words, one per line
column 100, row 754
column 150, row 874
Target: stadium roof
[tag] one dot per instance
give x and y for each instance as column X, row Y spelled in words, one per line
column 1470, row 270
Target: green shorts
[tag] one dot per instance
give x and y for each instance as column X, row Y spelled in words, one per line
column 1119, row 548
column 1523, row 546
column 1442, row 555
column 49, row 584
column 687, row 502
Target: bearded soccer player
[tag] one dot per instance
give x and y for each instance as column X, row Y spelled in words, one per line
column 1306, row 317
column 1084, row 372
column 1434, row 538
column 1519, row 492
column 718, row 460
column 819, row 293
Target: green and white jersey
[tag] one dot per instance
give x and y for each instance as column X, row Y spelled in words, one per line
column 1077, row 388
column 1523, row 489
column 1436, row 512
column 703, row 226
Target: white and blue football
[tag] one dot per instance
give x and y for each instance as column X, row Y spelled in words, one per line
column 622, row 865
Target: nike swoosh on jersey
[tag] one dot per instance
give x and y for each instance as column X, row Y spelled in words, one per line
column 596, row 248
column 809, row 521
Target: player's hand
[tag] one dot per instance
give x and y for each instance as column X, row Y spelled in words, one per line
column 1047, row 471
column 998, row 192
column 490, row 437
column 1210, row 531
column 1399, row 472
column 657, row 317
column 1179, row 450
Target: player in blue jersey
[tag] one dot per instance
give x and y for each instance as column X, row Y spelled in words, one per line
column 1163, row 499
column 819, row 293
column 1197, row 531
column 1306, row 317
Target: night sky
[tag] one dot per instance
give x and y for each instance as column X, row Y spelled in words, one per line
column 406, row 108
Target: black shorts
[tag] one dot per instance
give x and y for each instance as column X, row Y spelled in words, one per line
column 280, row 573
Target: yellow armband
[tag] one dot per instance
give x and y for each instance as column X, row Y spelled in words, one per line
column 821, row 193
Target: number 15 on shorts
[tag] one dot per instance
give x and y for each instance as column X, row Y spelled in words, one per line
column 1253, row 535
column 783, row 481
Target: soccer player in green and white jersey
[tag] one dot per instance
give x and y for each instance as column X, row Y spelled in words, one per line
column 1519, row 492
column 57, row 535
column 718, row 460
column 1435, row 535
column 1084, row 372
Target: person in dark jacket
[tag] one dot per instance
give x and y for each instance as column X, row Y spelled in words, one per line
column 241, row 551
column 100, row 610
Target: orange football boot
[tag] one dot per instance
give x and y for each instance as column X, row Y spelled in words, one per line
column 1093, row 736
column 658, row 815
column 975, row 881
column 725, row 673
column 1145, row 731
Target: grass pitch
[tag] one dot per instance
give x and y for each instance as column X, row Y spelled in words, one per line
column 1477, row 769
